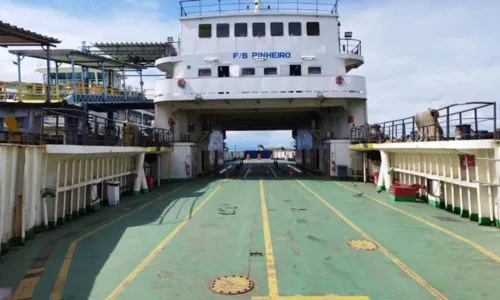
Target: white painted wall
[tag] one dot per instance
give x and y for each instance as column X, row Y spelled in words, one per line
column 208, row 53
column 256, row 87
column 340, row 153
column 184, row 156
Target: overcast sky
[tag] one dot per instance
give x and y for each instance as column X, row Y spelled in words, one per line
column 418, row 53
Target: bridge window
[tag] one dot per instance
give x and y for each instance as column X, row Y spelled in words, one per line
column 222, row 30
column 276, row 29
column 312, row 28
column 204, row 72
column 240, row 29
column 259, row 29
column 270, row 71
column 295, row 29
column 205, row 30
column 295, row 70
column 247, row 71
column 314, row 70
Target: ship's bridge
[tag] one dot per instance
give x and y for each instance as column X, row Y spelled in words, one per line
column 245, row 51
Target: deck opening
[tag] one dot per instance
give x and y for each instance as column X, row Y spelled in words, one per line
column 256, row 254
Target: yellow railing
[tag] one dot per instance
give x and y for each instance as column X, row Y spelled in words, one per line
column 35, row 92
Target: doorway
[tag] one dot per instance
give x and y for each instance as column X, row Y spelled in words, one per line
column 223, row 71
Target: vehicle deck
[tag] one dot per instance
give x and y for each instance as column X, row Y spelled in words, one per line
column 302, row 237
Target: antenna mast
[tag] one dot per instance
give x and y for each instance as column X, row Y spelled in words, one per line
column 256, row 6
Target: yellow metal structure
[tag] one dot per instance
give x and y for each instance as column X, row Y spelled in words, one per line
column 22, row 92
column 231, row 285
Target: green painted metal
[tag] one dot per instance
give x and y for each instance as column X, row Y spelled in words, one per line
column 309, row 241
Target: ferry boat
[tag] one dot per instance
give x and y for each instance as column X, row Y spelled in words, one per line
column 366, row 211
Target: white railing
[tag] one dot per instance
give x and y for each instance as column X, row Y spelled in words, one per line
column 261, row 87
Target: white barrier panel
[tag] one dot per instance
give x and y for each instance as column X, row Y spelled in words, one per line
column 8, row 170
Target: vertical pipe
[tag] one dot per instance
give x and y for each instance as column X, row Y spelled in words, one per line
column 19, row 68
column 158, row 171
column 73, row 74
column 124, row 85
column 475, row 123
column 142, row 84
column 57, row 192
column 495, row 121
column 35, row 188
column 4, row 161
column 85, row 177
column 139, row 171
column 72, row 198
column 448, row 122
column 78, row 190
column 65, row 192
column 13, row 175
column 48, row 73
column 104, row 84
column 57, row 81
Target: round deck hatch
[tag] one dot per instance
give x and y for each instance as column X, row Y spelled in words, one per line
column 231, row 285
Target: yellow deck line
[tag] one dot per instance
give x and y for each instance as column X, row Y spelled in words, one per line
column 313, row 298
column 58, row 289
column 478, row 247
column 272, row 277
column 398, row 262
column 270, row 263
column 119, row 288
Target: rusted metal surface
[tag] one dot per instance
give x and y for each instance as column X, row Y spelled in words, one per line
column 231, row 285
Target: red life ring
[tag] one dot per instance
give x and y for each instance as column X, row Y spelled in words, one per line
column 339, row 80
column 171, row 122
column 181, row 82
column 333, row 166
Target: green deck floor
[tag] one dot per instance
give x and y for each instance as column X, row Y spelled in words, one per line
column 173, row 247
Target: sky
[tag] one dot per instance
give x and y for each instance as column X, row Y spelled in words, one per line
column 418, row 53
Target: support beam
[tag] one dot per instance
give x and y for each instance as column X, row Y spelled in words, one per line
column 48, row 73
column 19, row 68
column 73, row 74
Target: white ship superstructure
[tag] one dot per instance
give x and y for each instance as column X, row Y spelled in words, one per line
column 260, row 66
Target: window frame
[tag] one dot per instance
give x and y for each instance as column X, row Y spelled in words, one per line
column 253, row 29
column 248, row 68
column 218, row 25
column 200, row 30
column 307, row 29
column 275, row 68
column 315, row 67
column 246, row 29
column 290, row 23
column 282, row 28
column 201, row 69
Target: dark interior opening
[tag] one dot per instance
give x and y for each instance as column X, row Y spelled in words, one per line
column 295, row 70
column 223, row 71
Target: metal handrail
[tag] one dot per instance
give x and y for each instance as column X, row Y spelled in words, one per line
column 26, row 92
column 68, row 126
column 477, row 118
column 350, row 46
column 197, row 8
